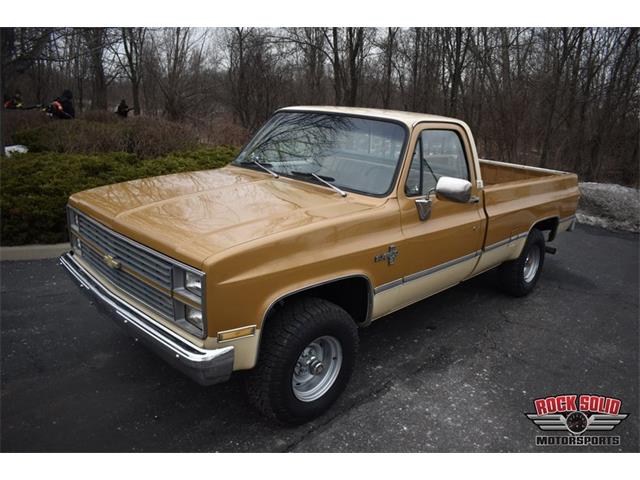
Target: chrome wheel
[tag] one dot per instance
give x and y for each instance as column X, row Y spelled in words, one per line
column 317, row 368
column 531, row 264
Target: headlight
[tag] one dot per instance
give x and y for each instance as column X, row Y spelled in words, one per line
column 73, row 219
column 76, row 245
column 194, row 317
column 189, row 304
column 193, row 282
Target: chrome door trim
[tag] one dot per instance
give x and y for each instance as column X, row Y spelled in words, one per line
column 423, row 273
column 501, row 243
column 442, row 266
column 388, row 286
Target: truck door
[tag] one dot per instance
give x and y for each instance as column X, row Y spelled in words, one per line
column 441, row 241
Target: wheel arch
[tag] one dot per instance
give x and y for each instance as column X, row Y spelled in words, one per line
column 353, row 293
column 549, row 224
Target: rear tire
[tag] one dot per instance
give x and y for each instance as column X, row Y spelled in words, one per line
column 307, row 357
column 518, row 277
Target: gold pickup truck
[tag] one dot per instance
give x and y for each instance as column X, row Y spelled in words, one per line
column 329, row 219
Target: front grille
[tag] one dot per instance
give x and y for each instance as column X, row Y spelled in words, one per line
column 140, row 273
column 139, row 260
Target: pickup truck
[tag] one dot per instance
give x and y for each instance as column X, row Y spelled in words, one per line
column 328, row 219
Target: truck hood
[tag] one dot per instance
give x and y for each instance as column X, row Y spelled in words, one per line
column 191, row 216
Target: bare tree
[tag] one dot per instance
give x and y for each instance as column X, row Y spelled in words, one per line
column 564, row 98
column 133, row 45
column 254, row 76
column 178, row 55
column 96, row 41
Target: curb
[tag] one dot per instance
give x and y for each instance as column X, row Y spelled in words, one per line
column 33, row 252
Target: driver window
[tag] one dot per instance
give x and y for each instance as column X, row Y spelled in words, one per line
column 442, row 155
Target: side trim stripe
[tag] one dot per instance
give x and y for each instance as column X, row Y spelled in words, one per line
column 387, row 286
column 442, row 266
column 424, row 273
column 429, row 271
column 505, row 241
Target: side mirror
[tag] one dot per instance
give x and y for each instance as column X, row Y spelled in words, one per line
column 453, row 189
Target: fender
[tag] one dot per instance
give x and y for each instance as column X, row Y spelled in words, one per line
column 317, row 284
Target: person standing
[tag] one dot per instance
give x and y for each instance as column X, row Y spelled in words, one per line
column 62, row 107
column 123, row 109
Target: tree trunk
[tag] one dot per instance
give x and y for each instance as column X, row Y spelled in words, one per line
column 386, row 98
column 135, row 92
column 337, row 69
column 95, row 38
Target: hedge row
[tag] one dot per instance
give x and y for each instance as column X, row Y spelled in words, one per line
column 146, row 137
column 35, row 186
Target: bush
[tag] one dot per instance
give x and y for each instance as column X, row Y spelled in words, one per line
column 36, row 186
column 19, row 120
column 221, row 130
column 100, row 132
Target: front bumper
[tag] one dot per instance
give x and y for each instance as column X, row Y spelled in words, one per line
column 206, row 367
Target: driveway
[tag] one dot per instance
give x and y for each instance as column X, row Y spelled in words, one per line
column 456, row 372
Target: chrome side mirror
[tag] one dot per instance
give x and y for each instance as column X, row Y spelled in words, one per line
column 423, row 205
column 453, row 189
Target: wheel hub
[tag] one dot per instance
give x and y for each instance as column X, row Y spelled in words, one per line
column 531, row 264
column 317, row 368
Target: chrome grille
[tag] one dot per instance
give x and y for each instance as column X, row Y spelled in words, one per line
column 141, row 274
column 144, row 263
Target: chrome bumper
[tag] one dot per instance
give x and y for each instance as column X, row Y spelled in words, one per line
column 203, row 366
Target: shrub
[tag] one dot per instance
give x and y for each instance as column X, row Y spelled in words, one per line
column 100, row 132
column 36, row 186
column 20, row 120
column 221, row 130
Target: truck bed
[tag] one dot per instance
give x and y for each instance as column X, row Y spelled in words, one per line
column 517, row 196
column 494, row 172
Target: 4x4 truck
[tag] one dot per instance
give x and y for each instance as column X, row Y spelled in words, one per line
column 329, row 219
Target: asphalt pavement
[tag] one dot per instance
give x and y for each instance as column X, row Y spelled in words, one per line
column 456, row 372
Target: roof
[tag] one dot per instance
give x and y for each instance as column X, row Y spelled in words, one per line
column 408, row 118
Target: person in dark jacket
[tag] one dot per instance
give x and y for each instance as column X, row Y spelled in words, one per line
column 62, row 107
column 123, row 109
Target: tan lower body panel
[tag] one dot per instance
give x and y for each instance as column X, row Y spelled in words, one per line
column 413, row 291
column 245, row 349
column 566, row 224
column 492, row 257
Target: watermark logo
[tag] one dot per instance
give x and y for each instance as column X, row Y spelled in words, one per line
column 577, row 414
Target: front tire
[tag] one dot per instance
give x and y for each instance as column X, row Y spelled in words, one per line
column 307, row 357
column 518, row 277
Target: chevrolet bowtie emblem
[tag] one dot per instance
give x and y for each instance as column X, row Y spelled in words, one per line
column 390, row 256
column 111, row 262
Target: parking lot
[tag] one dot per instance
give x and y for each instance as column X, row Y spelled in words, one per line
column 456, row 372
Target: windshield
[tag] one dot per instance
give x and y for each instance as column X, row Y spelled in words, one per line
column 352, row 153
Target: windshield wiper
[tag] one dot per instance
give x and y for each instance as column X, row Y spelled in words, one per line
column 264, row 166
column 321, row 179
